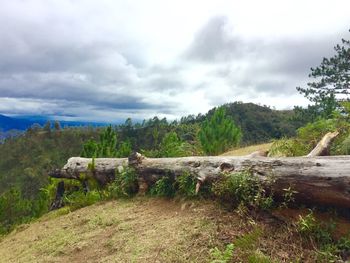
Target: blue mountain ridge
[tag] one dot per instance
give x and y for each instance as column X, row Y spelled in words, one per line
column 14, row 123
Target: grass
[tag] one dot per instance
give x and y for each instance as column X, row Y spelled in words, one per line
column 248, row 150
column 138, row 230
column 145, row 229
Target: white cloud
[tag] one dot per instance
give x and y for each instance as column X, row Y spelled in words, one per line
column 104, row 60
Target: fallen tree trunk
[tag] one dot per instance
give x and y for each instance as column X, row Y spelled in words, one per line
column 101, row 169
column 317, row 180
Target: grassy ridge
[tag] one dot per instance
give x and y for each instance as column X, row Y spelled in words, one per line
column 162, row 230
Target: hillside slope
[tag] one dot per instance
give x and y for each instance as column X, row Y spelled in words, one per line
column 118, row 231
column 154, row 230
column 248, row 150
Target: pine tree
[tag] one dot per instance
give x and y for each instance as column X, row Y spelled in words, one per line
column 108, row 143
column 89, row 149
column 219, row 133
column 332, row 80
column 106, row 148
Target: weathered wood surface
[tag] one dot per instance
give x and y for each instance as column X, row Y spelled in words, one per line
column 322, row 148
column 318, row 180
column 101, row 169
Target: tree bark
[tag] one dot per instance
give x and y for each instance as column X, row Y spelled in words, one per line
column 317, row 180
column 100, row 169
column 322, row 148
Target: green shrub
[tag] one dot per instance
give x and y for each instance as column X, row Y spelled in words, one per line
column 345, row 146
column 224, row 256
column 328, row 253
column 242, row 188
column 308, row 137
column 186, row 184
column 308, row 226
column 164, row 187
column 329, row 250
column 259, row 257
column 248, row 242
column 172, row 146
column 288, row 148
column 288, row 196
column 312, row 133
column 14, row 209
column 79, row 199
column 124, row 149
column 124, row 185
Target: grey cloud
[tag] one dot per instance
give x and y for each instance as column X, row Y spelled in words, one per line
column 273, row 66
column 56, row 60
column 215, row 42
column 51, row 61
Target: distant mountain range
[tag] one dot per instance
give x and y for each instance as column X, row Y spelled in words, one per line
column 13, row 123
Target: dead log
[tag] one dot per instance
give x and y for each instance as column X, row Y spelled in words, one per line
column 100, row 169
column 317, row 180
column 322, row 148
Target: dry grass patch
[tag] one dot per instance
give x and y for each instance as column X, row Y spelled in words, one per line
column 138, row 230
column 248, row 150
column 158, row 230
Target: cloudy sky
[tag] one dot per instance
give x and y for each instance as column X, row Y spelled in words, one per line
column 109, row 60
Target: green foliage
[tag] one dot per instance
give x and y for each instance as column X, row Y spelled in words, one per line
column 308, row 226
column 248, row 247
column 260, row 123
column 125, row 149
column 14, row 209
column 287, row 148
column 186, row 184
column 308, row 137
column 288, row 196
column 242, row 188
column 124, row 185
column 248, row 241
column 24, row 163
column 343, row 244
column 259, row 257
column 106, row 147
column 79, row 199
column 312, row 133
column 346, row 108
column 164, row 187
column 330, row 250
column 108, row 143
column 224, row 256
column 26, row 160
column 332, row 79
column 219, row 133
column 172, row 146
column 90, row 149
column 345, row 146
